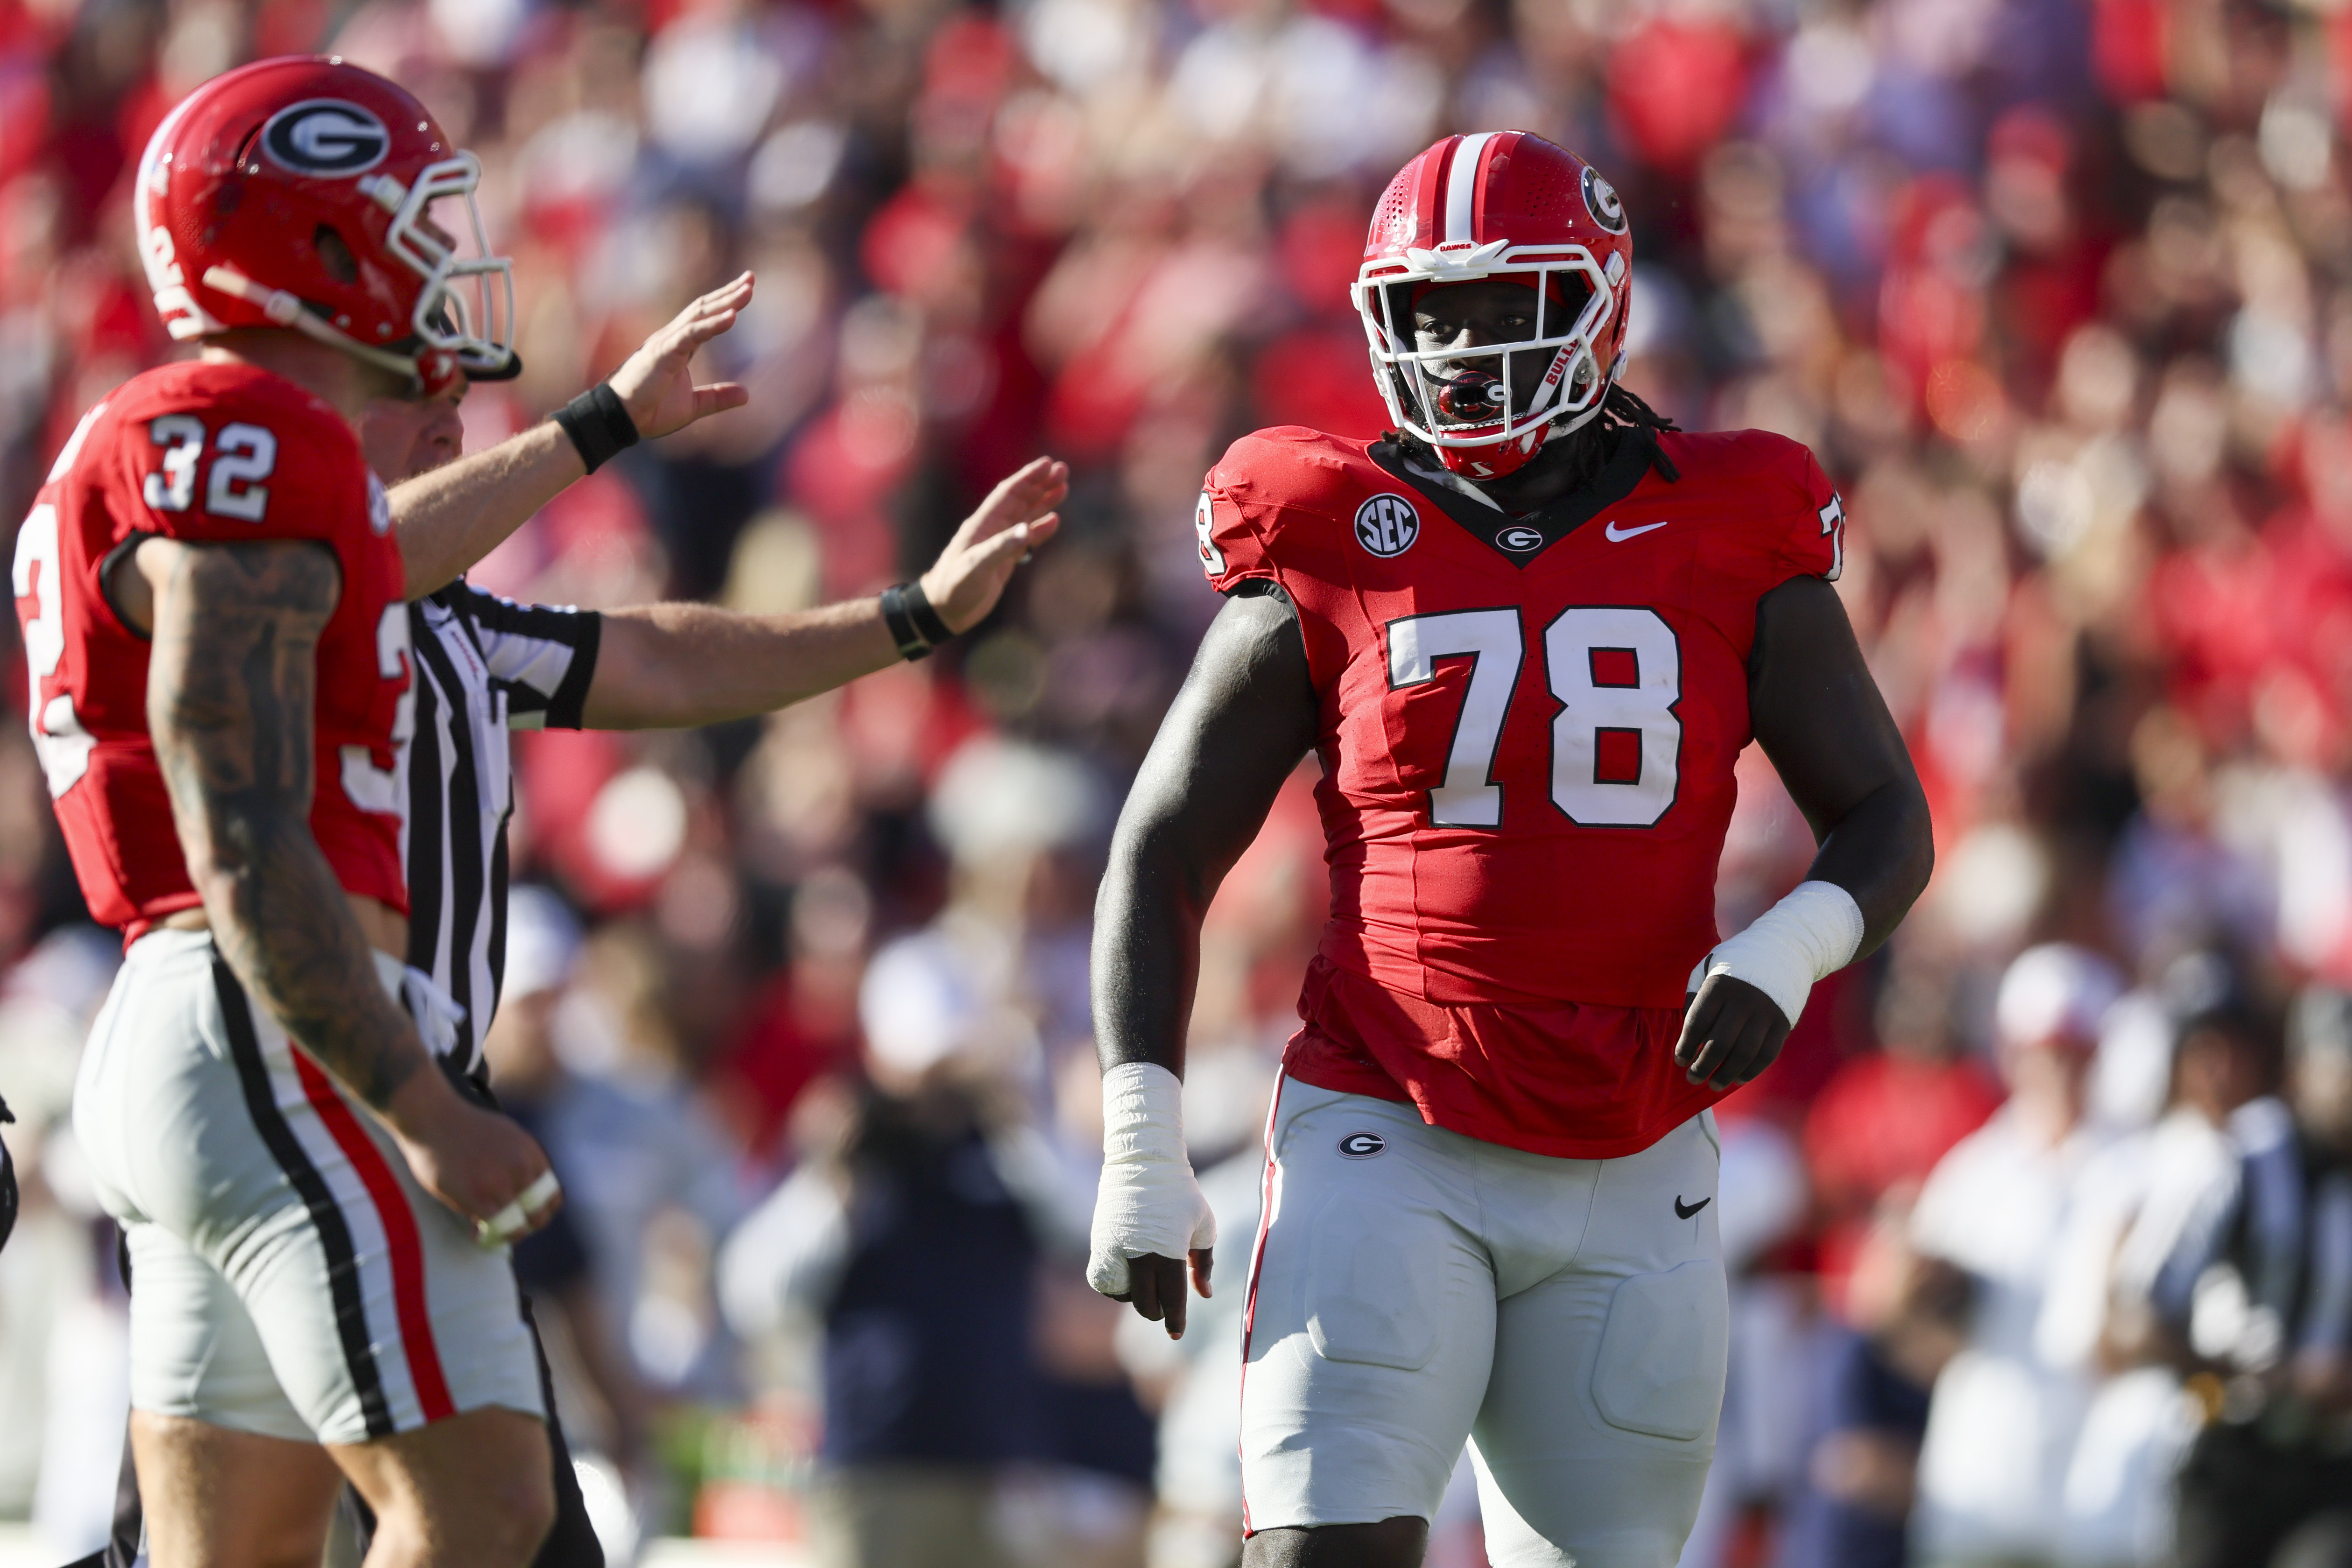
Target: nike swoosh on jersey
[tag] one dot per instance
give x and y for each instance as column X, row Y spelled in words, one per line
column 1617, row 536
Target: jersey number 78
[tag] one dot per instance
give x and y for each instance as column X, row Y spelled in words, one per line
column 1615, row 669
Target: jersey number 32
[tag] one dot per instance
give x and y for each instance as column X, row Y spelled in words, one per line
column 1615, row 669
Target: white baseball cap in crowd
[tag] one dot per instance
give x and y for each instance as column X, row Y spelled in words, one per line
column 542, row 942
column 2055, row 994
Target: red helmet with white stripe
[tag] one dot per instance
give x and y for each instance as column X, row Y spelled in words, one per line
column 300, row 193
column 1504, row 204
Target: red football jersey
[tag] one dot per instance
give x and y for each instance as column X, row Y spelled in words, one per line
column 1529, row 729
column 212, row 454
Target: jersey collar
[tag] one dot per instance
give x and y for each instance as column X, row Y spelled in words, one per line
column 1491, row 525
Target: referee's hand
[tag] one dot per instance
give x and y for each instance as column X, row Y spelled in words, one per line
column 965, row 583
column 656, row 383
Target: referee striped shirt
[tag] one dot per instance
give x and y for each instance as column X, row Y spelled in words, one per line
column 485, row 665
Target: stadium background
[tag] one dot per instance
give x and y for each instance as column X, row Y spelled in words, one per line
column 2060, row 292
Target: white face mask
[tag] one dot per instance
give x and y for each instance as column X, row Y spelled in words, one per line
column 1461, row 397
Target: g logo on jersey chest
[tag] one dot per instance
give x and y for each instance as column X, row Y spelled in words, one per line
column 1387, row 525
column 325, row 136
column 1521, row 539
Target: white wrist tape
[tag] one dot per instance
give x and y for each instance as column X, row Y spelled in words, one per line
column 1148, row 1201
column 1811, row 932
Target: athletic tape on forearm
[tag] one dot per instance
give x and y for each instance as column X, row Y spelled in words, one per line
column 1148, row 1201
column 1811, row 932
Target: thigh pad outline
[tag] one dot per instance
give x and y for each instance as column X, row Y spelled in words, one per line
column 1661, row 1365
column 1365, row 1302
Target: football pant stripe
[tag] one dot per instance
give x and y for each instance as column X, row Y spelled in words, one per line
column 1257, row 1257
column 400, row 1244
column 326, row 1217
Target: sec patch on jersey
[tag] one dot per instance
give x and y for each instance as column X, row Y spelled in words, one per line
column 1387, row 524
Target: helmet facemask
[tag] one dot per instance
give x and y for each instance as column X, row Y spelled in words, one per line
column 1487, row 408
column 466, row 307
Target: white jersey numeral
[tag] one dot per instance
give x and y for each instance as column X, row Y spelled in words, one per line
column 172, row 487
column 1469, row 797
column 370, row 787
column 1614, row 670
column 58, row 740
column 1616, row 744
column 244, row 456
column 1204, row 519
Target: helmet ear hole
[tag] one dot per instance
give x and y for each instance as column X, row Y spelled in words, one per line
column 335, row 255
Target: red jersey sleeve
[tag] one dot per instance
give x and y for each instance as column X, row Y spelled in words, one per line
column 229, row 454
column 1235, row 544
column 1814, row 543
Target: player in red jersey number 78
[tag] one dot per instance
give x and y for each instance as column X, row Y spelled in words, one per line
column 212, row 600
column 1526, row 633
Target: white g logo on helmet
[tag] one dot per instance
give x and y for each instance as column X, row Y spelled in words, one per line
column 1601, row 201
column 326, row 137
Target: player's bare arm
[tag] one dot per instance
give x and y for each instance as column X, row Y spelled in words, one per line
column 1820, row 718
column 230, row 695
column 1244, row 717
column 451, row 518
column 663, row 666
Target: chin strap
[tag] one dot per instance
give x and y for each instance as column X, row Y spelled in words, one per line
column 286, row 310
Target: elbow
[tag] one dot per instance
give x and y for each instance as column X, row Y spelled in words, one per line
column 1150, row 862
column 1919, row 841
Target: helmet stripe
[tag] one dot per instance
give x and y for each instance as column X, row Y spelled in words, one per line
column 1462, row 183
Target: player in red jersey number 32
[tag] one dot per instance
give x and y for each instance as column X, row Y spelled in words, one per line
column 1526, row 633
column 211, row 598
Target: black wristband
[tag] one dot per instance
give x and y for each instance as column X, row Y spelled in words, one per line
column 896, row 615
column 927, row 619
column 599, row 425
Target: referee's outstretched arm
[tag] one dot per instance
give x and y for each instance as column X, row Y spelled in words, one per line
column 464, row 507
column 670, row 665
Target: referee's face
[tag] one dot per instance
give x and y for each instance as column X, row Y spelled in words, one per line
column 404, row 438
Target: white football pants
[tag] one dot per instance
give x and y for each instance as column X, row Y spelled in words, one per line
column 1412, row 1287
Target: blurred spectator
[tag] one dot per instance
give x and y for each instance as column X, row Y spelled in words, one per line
column 648, row 1176
column 1885, row 1119
column 2005, row 1412
column 2140, row 1194
column 553, row 1265
column 2258, row 1295
column 1906, row 1317
column 904, row 1237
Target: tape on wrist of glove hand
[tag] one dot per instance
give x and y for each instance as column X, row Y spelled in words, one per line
column 1815, row 932
column 1148, row 1201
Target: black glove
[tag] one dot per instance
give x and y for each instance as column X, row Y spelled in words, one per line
column 7, row 1183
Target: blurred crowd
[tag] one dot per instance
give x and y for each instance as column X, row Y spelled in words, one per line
column 2059, row 291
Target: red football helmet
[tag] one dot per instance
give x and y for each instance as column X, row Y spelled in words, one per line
column 1502, row 203
column 299, row 193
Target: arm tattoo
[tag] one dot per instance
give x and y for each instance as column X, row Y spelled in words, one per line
column 229, row 703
